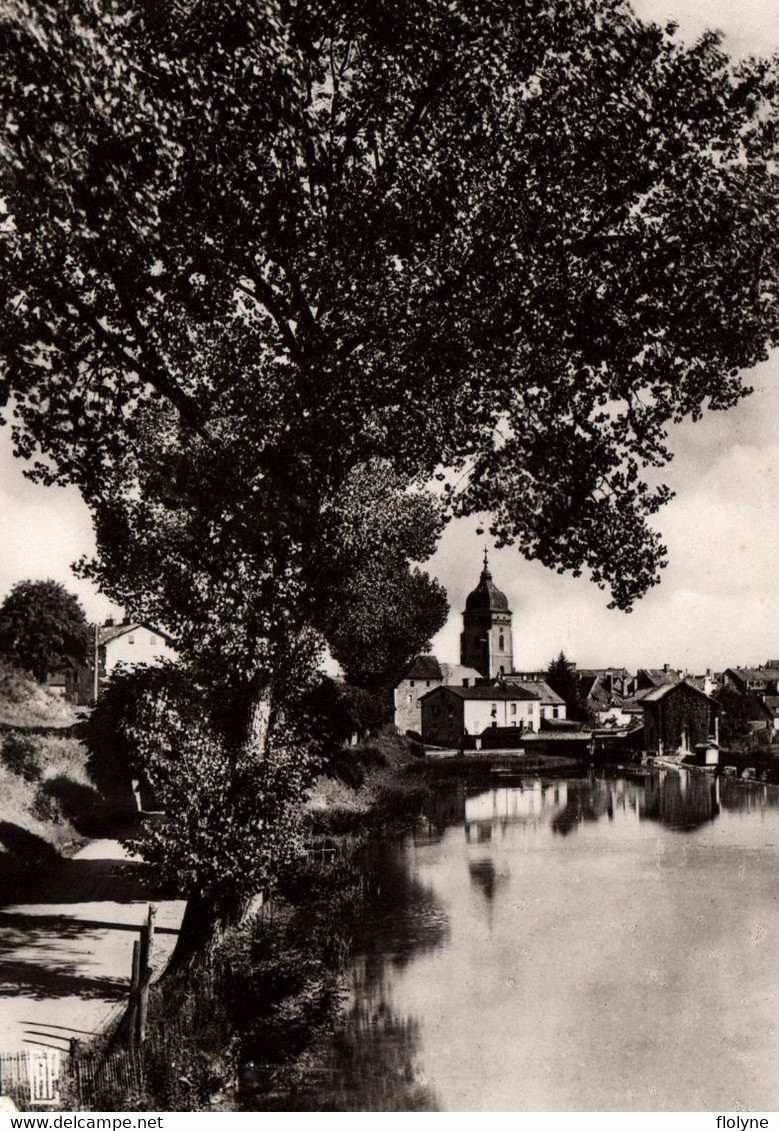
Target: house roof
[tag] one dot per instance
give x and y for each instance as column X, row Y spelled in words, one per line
column 659, row 676
column 424, row 667
column 109, row 632
column 539, row 689
column 587, row 683
column 657, row 693
column 756, row 675
column 494, row 693
column 699, row 681
column 602, row 672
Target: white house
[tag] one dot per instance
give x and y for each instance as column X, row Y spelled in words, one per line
column 127, row 645
column 452, row 714
column 131, row 644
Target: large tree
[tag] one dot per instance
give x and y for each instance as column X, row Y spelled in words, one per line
column 253, row 253
column 43, row 628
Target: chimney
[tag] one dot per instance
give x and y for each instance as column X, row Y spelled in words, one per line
column 109, row 622
column 666, row 667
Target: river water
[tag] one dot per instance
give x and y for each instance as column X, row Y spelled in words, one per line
column 600, row 943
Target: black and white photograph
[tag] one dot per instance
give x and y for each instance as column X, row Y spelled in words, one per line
column 389, row 570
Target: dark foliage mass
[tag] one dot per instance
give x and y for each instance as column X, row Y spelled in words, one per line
column 271, row 270
column 43, row 628
column 562, row 677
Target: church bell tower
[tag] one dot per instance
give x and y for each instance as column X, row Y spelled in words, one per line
column 485, row 643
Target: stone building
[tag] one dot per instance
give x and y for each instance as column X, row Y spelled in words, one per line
column 425, row 674
column 677, row 718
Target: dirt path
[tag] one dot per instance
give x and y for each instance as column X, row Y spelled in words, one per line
column 66, row 947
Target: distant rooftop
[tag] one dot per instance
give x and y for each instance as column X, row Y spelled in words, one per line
column 494, row 693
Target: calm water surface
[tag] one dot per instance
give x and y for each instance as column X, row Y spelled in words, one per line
column 583, row 944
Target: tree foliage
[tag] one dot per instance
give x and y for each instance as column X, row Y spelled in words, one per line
column 562, row 677
column 160, row 723
column 298, row 237
column 738, row 712
column 43, row 628
column 263, row 263
column 377, row 611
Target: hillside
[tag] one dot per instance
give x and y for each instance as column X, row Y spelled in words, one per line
column 25, row 703
column 48, row 802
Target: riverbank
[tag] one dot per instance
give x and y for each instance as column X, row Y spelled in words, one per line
column 251, row 1031
column 248, row 1026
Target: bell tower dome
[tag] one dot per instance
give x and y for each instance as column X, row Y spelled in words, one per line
column 485, row 643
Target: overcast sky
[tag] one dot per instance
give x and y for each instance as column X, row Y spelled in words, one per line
column 719, row 598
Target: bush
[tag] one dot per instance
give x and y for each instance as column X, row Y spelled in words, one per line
column 19, row 754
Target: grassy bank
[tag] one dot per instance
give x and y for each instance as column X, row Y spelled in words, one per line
column 26, row 703
column 369, row 786
column 49, row 803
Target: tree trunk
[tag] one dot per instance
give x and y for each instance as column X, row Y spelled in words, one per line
column 206, row 920
column 208, row 917
column 255, row 739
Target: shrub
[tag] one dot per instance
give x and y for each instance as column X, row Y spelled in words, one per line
column 19, row 754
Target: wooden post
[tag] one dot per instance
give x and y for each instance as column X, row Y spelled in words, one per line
column 135, row 989
column 146, row 954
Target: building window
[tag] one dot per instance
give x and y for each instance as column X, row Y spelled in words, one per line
column 130, row 639
column 427, row 683
column 152, row 639
column 411, row 683
column 513, row 708
column 502, row 642
column 554, row 712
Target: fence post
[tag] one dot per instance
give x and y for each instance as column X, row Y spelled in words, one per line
column 146, row 954
column 135, row 992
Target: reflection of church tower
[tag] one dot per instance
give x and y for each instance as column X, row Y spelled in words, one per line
column 485, row 643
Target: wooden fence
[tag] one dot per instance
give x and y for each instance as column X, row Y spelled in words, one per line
column 91, row 1080
column 51, row 1079
column 32, row 1078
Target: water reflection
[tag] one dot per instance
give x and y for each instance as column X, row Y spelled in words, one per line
column 682, row 800
column 371, row 1064
column 602, row 936
column 486, row 878
column 678, row 800
column 404, row 916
